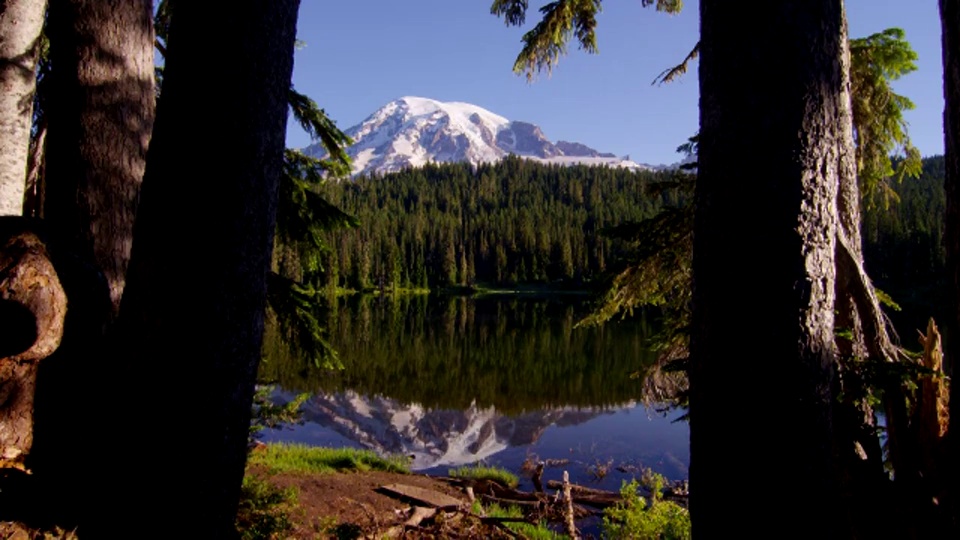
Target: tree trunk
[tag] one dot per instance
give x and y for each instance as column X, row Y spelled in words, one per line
column 20, row 24
column 950, row 21
column 101, row 118
column 766, row 203
column 848, row 210
column 858, row 447
column 32, row 310
column 191, row 320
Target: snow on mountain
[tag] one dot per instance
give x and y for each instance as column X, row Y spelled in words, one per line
column 414, row 131
column 433, row 437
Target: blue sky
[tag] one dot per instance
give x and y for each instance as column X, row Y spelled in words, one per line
column 361, row 54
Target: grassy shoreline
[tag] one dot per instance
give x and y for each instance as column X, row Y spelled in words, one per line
column 268, row 510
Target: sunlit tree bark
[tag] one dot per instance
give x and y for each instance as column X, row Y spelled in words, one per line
column 20, row 25
column 101, row 117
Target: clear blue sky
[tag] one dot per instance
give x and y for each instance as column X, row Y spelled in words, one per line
column 361, row 54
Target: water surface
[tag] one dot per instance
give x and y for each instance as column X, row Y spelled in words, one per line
column 501, row 380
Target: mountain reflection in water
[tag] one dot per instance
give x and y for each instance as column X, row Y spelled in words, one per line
column 455, row 380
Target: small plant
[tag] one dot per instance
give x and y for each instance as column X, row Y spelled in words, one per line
column 538, row 531
column 482, row 472
column 635, row 519
column 264, row 511
column 298, row 458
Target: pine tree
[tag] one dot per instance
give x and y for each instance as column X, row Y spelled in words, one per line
column 211, row 322
column 950, row 21
column 103, row 101
column 822, row 173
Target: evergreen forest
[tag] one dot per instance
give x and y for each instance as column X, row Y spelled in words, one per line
column 519, row 222
column 904, row 249
column 505, row 224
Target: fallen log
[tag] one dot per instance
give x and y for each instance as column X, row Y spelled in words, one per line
column 597, row 498
column 425, row 497
column 602, row 498
column 582, row 490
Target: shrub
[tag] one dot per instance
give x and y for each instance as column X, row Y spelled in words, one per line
column 633, row 518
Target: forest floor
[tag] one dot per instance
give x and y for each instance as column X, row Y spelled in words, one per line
column 346, row 504
column 336, row 504
column 375, row 503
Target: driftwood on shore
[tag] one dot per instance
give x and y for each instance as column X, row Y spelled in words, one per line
column 567, row 503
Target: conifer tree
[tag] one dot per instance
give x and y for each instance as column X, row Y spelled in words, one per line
column 817, row 356
column 950, row 23
column 211, row 322
column 103, row 102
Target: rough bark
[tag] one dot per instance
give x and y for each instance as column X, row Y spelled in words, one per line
column 101, row 117
column 20, row 24
column 950, row 21
column 858, row 447
column 771, row 316
column 191, row 320
column 32, row 310
column 848, row 208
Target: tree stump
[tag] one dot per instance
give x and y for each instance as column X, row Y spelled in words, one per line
column 32, row 310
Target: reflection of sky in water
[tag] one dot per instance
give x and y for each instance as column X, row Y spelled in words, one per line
column 310, row 434
column 629, row 439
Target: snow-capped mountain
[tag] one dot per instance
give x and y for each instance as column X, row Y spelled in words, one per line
column 434, row 437
column 414, row 131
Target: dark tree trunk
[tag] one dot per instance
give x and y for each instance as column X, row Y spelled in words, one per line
column 762, row 344
column 191, row 320
column 101, row 117
column 950, row 20
column 100, row 108
column 32, row 310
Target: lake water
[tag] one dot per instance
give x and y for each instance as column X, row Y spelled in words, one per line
column 498, row 380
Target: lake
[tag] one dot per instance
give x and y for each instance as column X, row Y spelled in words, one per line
column 498, row 380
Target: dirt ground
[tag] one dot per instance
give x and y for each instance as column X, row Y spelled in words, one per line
column 324, row 501
column 349, row 505
column 328, row 500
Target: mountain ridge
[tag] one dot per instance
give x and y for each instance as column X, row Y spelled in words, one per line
column 413, row 131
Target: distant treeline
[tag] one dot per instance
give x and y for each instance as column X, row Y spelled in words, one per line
column 903, row 247
column 516, row 221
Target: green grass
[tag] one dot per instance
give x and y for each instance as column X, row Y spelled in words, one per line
column 528, row 530
column 296, row 458
column 480, row 472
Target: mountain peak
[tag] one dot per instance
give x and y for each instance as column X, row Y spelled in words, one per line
column 411, row 131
